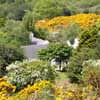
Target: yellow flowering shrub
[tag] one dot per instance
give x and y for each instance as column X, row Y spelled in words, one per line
column 25, row 93
column 6, row 89
column 84, row 20
column 65, row 92
column 75, row 92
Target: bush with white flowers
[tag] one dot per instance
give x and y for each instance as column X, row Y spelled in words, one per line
column 29, row 72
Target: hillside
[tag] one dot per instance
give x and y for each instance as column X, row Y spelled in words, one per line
column 49, row 49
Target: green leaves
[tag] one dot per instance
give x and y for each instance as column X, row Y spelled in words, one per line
column 9, row 54
column 2, row 22
column 88, row 37
column 29, row 72
column 13, row 33
column 54, row 51
column 91, row 73
column 48, row 9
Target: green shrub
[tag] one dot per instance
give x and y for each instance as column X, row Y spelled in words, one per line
column 58, row 51
column 2, row 22
column 91, row 73
column 71, row 32
column 75, row 63
column 47, row 94
column 29, row 72
column 12, row 9
column 14, row 33
column 2, row 62
column 29, row 25
column 88, row 49
column 42, row 33
column 28, row 21
column 9, row 54
column 54, row 36
column 49, row 9
column 83, row 6
column 88, row 37
column 97, row 48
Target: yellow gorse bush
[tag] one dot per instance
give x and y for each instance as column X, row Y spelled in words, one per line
column 37, row 87
column 5, row 89
column 74, row 92
column 60, row 93
column 57, row 23
column 25, row 93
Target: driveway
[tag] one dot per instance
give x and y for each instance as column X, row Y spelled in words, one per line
column 30, row 51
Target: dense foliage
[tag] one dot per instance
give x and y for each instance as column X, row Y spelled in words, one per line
column 9, row 54
column 57, row 23
column 76, row 61
column 2, row 22
column 13, row 33
column 49, row 8
column 88, row 37
column 5, row 88
column 65, row 24
column 58, row 51
column 29, row 72
column 43, row 90
column 90, row 73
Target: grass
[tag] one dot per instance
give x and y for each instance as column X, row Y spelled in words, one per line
column 61, row 76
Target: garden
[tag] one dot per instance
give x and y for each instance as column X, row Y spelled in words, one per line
column 68, row 68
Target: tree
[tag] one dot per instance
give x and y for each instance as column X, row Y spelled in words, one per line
column 13, row 9
column 58, row 51
column 28, row 21
column 13, row 33
column 29, row 24
column 49, row 8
